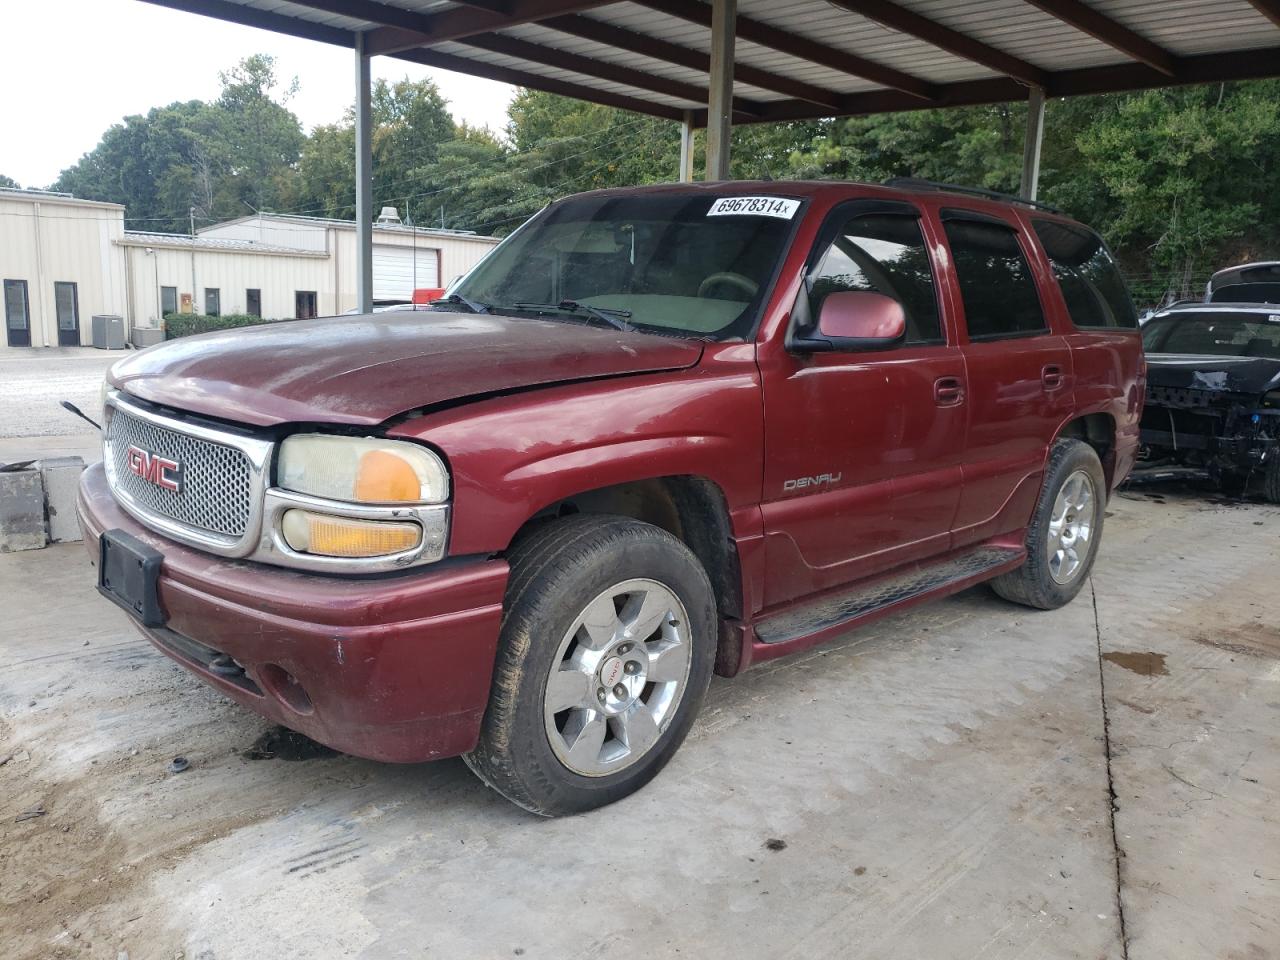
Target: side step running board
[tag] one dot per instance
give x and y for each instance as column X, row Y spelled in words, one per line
column 834, row 609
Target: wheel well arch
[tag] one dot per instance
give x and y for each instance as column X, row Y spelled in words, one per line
column 692, row 509
column 1098, row 430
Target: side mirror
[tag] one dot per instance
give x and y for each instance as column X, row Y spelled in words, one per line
column 856, row 320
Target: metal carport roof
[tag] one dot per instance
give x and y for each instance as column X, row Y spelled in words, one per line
column 797, row 59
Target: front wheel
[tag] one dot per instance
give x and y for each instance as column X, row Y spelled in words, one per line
column 607, row 648
column 1062, row 540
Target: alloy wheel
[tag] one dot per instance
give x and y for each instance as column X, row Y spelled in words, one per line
column 1071, row 527
column 617, row 678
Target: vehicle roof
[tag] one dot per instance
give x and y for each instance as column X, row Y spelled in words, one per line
column 1198, row 307
column 1267, row 270
column 833, row 191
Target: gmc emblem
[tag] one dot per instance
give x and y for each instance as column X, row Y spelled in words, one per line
column 153, row 468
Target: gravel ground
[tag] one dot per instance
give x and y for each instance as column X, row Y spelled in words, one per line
column 31, row 386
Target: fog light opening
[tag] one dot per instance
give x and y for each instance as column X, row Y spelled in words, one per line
column 284, row 686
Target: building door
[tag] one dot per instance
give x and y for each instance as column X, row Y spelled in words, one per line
column 398, row 271
column 66, row 301
column 17, row 314
column 253, row 302
column 168, row 301
column 304, row 304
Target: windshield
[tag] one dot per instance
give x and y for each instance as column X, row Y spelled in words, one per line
column 697, row 265
column 1215, row 334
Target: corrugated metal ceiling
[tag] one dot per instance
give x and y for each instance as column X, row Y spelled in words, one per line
column 802, row 57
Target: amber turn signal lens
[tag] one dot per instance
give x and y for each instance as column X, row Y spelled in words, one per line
column 327, row 536
column 386, row 478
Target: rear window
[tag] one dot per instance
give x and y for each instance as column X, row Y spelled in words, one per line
column 996, row 285
column 1214, row 334
column 1087, row 275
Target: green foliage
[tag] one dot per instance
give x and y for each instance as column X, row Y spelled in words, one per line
column 9, row 182
column 189, row 324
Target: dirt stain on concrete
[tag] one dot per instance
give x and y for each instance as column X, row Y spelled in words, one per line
column 1148, row 664
column 1246, row 640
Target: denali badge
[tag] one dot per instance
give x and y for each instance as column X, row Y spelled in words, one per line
column 154, row 468
column 830, row 479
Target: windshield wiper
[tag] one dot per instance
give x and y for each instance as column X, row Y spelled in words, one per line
column 615, row 318
column 457, row 298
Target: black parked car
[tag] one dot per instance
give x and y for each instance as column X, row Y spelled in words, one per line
column 1213, row 393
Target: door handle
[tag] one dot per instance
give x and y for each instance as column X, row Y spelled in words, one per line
column 948, row 391
column 1052, row 376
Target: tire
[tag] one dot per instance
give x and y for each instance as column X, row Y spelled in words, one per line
column 624, row 614
column 1271, row 479
column 1051, row 578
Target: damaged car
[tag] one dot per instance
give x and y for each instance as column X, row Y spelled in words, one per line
column 1213, row 394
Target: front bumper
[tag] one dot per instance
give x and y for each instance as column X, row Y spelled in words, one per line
column 392, row 668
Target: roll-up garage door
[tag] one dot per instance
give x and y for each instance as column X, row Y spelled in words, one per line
column 393, row 271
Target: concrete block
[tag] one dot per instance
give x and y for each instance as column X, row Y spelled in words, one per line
column 21, row 511
column 61, row 477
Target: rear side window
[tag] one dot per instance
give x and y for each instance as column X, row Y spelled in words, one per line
column 882, row 254
column 996, row 285
column 1087, row 275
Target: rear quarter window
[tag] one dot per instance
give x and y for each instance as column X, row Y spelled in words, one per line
column 1087, row 275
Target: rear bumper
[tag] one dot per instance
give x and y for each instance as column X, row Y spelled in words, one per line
column 391, row 668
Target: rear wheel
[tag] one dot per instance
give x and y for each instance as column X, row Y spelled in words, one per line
column 1062, row 540
column 607, row 648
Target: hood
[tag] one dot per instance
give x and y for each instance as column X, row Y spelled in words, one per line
column 1253, row 375
column 366, row 369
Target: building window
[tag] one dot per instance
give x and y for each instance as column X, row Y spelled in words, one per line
column 66, row 302
column 996, row 285
column 253, row 302
column 212, row 302
column 168, row 301
column 304, row 304
column 17, row 314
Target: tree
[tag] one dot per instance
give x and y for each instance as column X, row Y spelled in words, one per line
column 257, row 140
column 9, row 182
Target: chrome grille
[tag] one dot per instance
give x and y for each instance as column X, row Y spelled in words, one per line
column 217, row 483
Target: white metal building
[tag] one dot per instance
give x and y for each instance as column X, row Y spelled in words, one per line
column 63, row 260
column 404, row 258
column 59, row 265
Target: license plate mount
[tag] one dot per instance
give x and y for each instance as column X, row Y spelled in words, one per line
column 129, row 576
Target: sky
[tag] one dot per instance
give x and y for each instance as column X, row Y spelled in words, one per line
column 93, row 62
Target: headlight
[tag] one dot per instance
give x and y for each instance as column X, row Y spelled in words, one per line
column 362, row 470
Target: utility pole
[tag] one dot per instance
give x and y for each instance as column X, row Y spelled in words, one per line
column 192, row 212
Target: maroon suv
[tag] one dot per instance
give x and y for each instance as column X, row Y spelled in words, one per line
column 657, row 432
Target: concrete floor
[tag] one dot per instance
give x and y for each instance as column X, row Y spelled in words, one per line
column 940, row 783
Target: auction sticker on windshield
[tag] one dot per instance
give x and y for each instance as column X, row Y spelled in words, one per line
column 778, row 207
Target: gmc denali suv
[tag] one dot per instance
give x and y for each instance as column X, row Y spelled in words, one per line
column 657, row 432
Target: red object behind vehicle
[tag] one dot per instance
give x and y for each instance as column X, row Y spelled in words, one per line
column 427, row 294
